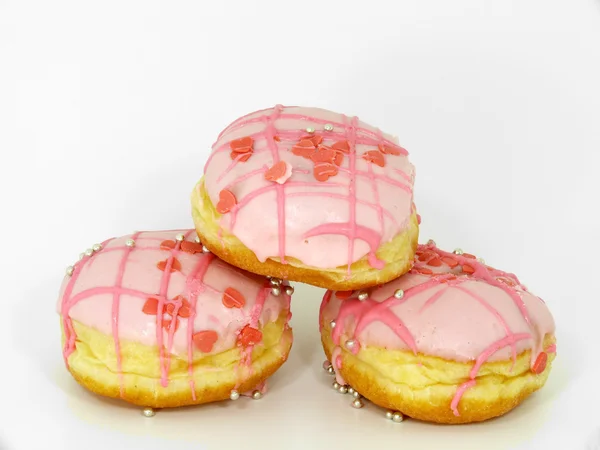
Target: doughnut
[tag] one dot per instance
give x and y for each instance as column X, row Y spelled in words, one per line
column 308, row 195
column 452, row 341
column 156, row 320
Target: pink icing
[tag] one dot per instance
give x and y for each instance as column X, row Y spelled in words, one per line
column 108, row 292
column 324, row 224
column 468, row 313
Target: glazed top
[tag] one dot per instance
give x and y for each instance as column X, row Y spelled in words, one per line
column 206, row 304
column 326, row 189
column 451, row 306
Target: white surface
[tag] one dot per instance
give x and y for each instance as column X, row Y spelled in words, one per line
column 108, row 110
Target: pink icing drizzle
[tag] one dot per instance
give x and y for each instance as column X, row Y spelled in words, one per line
column 368, row 311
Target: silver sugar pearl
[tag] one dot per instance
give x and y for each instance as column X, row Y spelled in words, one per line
column 289, row 290
column 389, row 414
column 397, row 417
column 148, row 412
column 326, row 365
column 275, row 291
column 130, row 243
column 399, row 293
column 197, row 239
column 343, row 389
column 458, row 251
column 234, row 395
column 357, row 403
column 481, row 260
column 81, row 255
column 97, row 247
column 257, row 395
column 332, row 324
column 355, row 394
column 335, row 385
column 89, row 252
column 180, row 237
column 328, row 127
column 331, row 370
column 362, row 296
column 310, row 130
column 205, row 249
column 275, row 281
column 350, row 343
column 351, row 390
column 431, row 242
column 70, row 270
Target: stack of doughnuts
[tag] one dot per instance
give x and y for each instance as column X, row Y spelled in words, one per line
column 171, row 318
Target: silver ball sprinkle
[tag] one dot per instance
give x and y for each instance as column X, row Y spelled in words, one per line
column 351, row 390
column 326, row 365
column 357, row 403
column 335, row 385
column 81, row 255
column 458, row 251
column 275, row 281
column 431, row 242
column 97, row 247
column 362, row 296
column 399, row 293
column 331, row 370
column 130, row 243
column 257, row 395
column 350, row 343
column 205, row 249
column 289, row 290
column 397, row 417
column 332, row 324
column 70, row 270
column 328, row 127
column 355, row 394
column 310, row 130
column 481, row 260
column 389, row 414
column 275, row 291
column 234, row 395
column 148, row 412
column 343, row 389
column 180, row 237
column 89, row 252
column 197, row 239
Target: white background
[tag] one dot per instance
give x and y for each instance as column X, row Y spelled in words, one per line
column 108, row 111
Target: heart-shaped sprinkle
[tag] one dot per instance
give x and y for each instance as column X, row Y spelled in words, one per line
column 191, row 247
column 343, row 294
column 242, row 145
column 304, row 148
column 323, row 154
column 232, row 298
column 226, row 201
column 339, row 158
column 468, row 255
column 450, row 261
column 389, row 150
column 423, row 270
column 342, row 146
column 435, row 262
column 205, row 340
column 279, row 173
column 170, row 308
column 468, row 269
column 506, row 280
column 167, row 245
column 323, row 171
column 276, row 138
column 241, row 157
column 316, row 140
column 166, row 323
column 151, row 306
column 249, row 336
column 540, row 363
column 375, row 157
column 175, row 265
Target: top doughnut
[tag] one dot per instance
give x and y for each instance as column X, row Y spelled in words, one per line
column 309, row 195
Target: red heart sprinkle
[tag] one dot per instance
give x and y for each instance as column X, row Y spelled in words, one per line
column 468, row 255
column 277, row 138
column 323, row 171
column 339, row 158
column 232, row 298
column 191, row 247
column 170, row 308
column 540, row 363
column 435, row 262
column 468, row 269
column 151, row 306
column 304, row 148
column 342, row 146
column 389, row 150
column 167, row 245
column 277, row 171
column 508, row 281
column 450, row 261
column 242, row 145
column 175, row 265
column 245, row 156
column 343, row 294
column 375, row 157
column 249, row 336
column 423, row 270
column 166, row 323
column 205, row 340
column 226, row 201
column 323, row 154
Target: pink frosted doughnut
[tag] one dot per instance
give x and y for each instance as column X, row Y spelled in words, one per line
column 156, row 320
column 452, row 341
column 309, row 195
